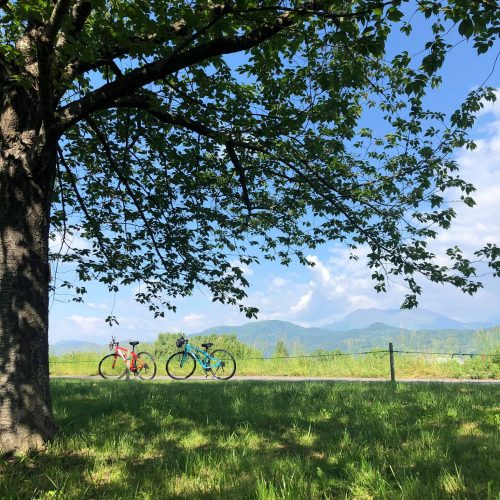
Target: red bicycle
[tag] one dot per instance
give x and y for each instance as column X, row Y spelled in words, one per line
column 114, row 366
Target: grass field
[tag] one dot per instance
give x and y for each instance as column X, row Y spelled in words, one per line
column 265, row 440
column 370, row 365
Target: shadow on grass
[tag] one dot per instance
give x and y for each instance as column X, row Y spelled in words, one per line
column 264, row 440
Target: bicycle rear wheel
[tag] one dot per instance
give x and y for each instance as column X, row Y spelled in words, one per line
column 145, row 366
column 112, row 367
column 180, row 365
column 223, row 365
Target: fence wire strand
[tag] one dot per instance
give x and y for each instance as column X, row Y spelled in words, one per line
column 332, row 355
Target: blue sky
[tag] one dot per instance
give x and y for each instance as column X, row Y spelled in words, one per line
column 335, row 286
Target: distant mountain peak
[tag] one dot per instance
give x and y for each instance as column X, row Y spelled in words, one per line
column 410, row 319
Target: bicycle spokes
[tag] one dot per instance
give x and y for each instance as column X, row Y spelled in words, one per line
column 181, row 365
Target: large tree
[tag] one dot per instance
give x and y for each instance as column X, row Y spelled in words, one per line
column 134, row 125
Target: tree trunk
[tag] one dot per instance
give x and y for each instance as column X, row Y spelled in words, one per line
column 27, row 166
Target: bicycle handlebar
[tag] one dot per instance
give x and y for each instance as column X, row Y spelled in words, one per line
column 113, row 343
column 180, row 341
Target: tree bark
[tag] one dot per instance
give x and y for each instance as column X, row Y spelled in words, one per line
column 27, row 167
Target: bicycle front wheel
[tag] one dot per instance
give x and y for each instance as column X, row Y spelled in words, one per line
column 145, row 366
column 112, row 367
column 222, row 364
column 180, row 365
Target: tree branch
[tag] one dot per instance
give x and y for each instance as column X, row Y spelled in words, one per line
column 241, row 173
column 59, row 12
column 123, row 179
column 79, row 14
column 143, row 102
column 81, row 202
column 105, row 96
column 4, row 69
column 148, row 104
column 312, row 8
column 45, row 44
column 79, row 67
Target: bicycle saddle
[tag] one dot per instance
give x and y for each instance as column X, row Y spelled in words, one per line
column 134, row 343
column 207, row 345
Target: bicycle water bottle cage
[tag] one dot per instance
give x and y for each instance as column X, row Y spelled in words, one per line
column 207, row 345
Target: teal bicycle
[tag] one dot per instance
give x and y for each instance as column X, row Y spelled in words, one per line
column 181, row 365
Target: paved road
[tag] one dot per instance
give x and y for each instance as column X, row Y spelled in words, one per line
column 269, row 378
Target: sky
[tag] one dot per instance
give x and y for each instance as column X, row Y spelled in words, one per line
column 336, row 285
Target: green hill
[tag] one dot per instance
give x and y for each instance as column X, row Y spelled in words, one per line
column 265, row 334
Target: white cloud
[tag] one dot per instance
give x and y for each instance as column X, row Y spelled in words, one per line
column 319, row 269
column 332, row 288
column 92, row 305
column 474, row 227
column 86, row 322
column 193, row 320
column 278, row 282
column 56, row 243
column 361, row 301
column 303, row 303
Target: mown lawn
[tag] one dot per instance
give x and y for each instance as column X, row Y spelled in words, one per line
column 265, row 440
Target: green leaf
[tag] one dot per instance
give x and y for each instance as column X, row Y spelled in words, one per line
column 394, row 14
column 466, row 27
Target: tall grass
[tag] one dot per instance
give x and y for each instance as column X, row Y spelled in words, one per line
column 373, row 365
column 258, row 440
column 75, row 363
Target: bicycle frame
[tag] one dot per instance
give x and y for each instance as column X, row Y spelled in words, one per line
column 204, row 360
column 129, row 357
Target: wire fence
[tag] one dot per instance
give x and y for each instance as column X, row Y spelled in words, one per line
column 376, row 367
column 330, row 355
column 382, row 351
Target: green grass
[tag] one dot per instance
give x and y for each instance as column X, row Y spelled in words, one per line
column 374, row 365
column 75, row 363
column 265, row 440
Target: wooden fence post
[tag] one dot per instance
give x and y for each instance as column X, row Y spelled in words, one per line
column 391, row 360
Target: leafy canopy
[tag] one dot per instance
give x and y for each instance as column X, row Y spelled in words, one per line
column 197, row 134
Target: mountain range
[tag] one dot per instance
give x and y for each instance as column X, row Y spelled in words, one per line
column 265, row 334
column 413, row 319
column 367, row 329
column 66, row 346
column 360, row 330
